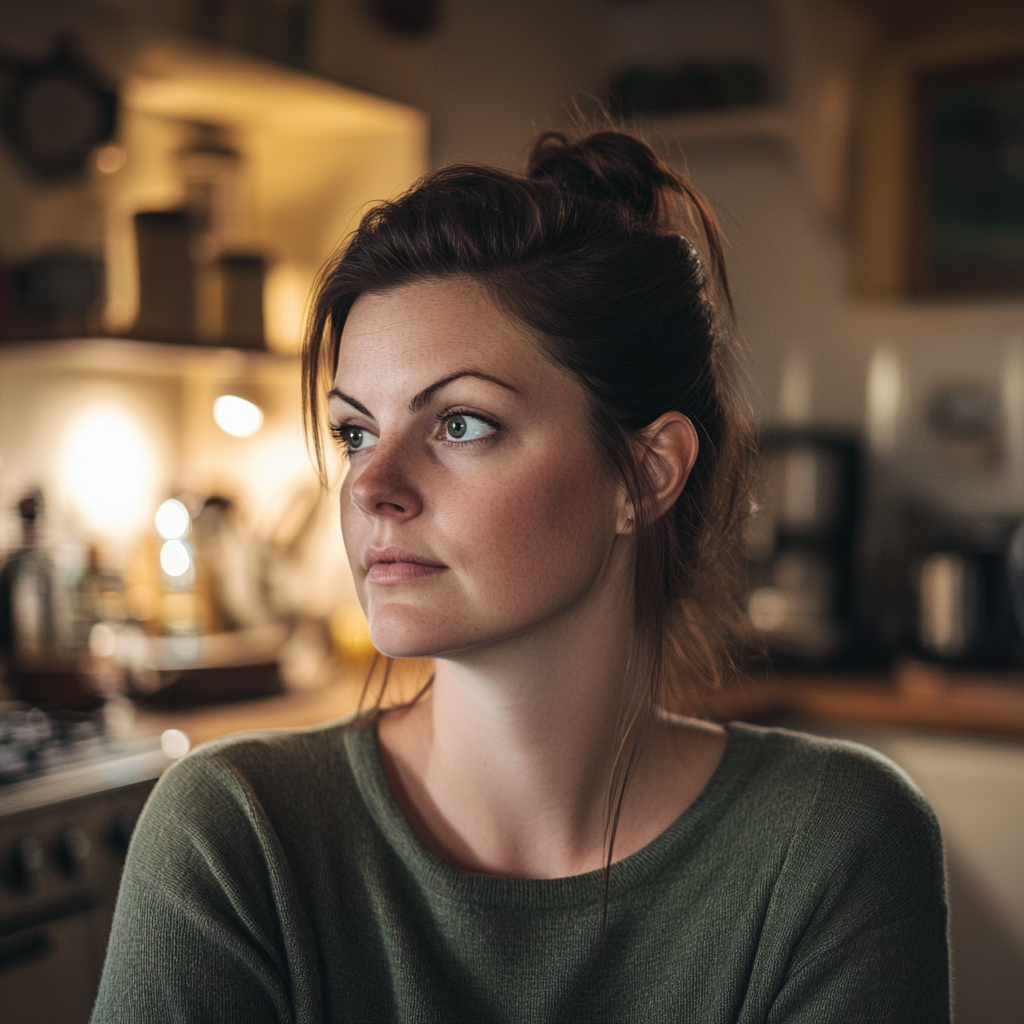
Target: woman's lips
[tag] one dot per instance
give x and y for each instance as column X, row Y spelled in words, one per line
column 400, row 572
column 393, row 565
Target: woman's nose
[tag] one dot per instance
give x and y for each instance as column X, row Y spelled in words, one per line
column 382, row 484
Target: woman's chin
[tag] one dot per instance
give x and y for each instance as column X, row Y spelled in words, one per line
column 398, row 637
column 406, row 648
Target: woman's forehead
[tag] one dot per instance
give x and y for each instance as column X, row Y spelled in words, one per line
column 399, row 344
column 430, row 325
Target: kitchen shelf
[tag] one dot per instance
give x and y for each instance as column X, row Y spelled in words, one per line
column 141, row 358
column 732, row 123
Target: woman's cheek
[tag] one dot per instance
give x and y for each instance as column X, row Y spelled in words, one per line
column 539, row 532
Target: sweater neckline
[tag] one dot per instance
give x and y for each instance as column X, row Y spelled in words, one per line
column 677, row 841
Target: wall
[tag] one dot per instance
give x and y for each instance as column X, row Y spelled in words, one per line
column 493, row 73
column 489, row 77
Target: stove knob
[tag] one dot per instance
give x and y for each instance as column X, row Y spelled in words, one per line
column 124, row 826
column 26, row 863
column 73, row 849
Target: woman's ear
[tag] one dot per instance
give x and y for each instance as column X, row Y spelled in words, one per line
column 670, row 450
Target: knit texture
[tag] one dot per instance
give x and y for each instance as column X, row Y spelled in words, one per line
column 274, row 878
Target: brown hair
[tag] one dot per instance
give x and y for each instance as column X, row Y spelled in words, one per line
column 586, row 250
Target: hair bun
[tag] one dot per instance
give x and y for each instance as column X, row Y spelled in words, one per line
column 613, row 167
column 607, row 166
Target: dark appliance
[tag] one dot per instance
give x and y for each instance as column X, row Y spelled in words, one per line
column 69, row 798
column 970, row 596
column 1015, row 574
column 800, row 543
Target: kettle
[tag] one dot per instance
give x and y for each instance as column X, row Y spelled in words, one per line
column 1015, row 576
column 971, row 602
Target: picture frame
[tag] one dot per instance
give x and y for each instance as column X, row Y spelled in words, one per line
column 967, row 188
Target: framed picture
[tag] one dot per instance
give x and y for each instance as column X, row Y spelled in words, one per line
column 967, row 230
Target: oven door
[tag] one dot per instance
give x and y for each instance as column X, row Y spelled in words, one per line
column 48, row 973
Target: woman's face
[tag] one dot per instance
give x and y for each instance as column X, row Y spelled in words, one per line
column 475, row 506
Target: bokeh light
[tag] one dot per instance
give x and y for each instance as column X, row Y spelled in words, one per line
column 172, row 520
column 175, row 559
column 107, row 466
column 237, row 416
column 175, row 743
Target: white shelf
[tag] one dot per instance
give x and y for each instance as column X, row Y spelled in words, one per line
column 136, row 358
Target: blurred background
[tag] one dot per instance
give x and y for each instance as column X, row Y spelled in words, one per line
column 174, row 172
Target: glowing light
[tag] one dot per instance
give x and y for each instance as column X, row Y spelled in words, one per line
column 102, row 640
column 174, row 558
column 883, row 401
column 236, row 416
column 110, row 159
column 175, row 743
column 768, row 609
column 108, row 469
column 185, row 647
column 172, row 520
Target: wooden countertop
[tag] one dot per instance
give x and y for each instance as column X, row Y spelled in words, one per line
column 913, row 696
column 293, row 710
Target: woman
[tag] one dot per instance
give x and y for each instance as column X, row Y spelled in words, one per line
column 546, row 467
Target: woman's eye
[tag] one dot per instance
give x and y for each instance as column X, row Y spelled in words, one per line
column 356, row 439
column 463, row 427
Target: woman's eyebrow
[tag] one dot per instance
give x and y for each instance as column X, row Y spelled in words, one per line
column 423, row 396
column 335, row 393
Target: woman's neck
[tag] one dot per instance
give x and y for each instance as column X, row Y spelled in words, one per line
column 505, row 767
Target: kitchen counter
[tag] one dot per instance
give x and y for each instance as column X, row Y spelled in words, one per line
column 915, row 696
column 293, row 710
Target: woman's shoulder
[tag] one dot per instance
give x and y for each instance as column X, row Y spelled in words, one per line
column 267, row 774
column 824, row 767
column 838, row 802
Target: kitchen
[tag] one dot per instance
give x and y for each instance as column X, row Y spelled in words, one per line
column 841, row 347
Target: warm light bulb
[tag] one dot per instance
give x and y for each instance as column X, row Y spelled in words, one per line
column 172, row 520
column 108, row 469
column 174, row 558
column 236, row 416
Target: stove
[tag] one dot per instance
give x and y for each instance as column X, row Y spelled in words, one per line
column 70, row 794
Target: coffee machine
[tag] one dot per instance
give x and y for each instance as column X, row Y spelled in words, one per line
column 801, row 546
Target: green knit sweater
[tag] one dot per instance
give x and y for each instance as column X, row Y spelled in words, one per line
column 274, row 878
